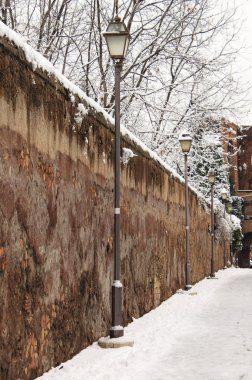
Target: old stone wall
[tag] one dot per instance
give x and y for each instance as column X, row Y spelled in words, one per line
column 56, row 224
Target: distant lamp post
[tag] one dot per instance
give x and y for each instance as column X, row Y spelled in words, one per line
column 186, row 142
column 229, row 210
column 224, row 196
column 211, row 180
column 117, row 39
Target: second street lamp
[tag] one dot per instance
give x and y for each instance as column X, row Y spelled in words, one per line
column 117, row 39
column 229, row 210
column 185, row 142
column 224, row 196
column 211, row 180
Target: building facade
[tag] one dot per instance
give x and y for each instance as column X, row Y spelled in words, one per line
column 237, row 143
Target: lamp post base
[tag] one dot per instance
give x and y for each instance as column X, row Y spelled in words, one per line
column 116, row 332
column 188, row 287
column 108, row 342
column 212, row 274
column 188, row 292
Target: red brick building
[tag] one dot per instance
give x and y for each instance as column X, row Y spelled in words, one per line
column 229, row 132
column 237, row 143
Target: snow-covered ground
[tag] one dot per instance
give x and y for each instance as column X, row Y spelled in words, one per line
column 205, row 335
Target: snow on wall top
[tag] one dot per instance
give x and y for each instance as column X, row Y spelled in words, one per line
column 38, row 61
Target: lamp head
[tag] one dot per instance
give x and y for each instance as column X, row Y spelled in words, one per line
column 117, row 38
column 185, row 142
column 211, row 177
column 229, row 207
column 224, row 194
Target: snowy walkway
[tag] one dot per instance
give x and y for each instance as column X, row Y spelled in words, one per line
column 207, row 336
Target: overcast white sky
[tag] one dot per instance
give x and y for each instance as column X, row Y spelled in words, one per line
column 244, row 59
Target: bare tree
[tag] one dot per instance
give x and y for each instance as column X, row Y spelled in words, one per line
column 177, row 72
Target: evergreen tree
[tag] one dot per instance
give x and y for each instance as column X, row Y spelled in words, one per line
column 206, row 154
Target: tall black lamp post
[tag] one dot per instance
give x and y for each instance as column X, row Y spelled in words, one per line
column 211, row 180
column 117, row 39
column 224, row 196
column 186, row 142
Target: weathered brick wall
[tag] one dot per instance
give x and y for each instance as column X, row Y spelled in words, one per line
column 56, row 225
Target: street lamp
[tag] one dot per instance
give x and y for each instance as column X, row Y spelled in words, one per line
column 186, row 142
column 117, row 39
column 229, row 210
column 224, row 196
column 211, row 180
